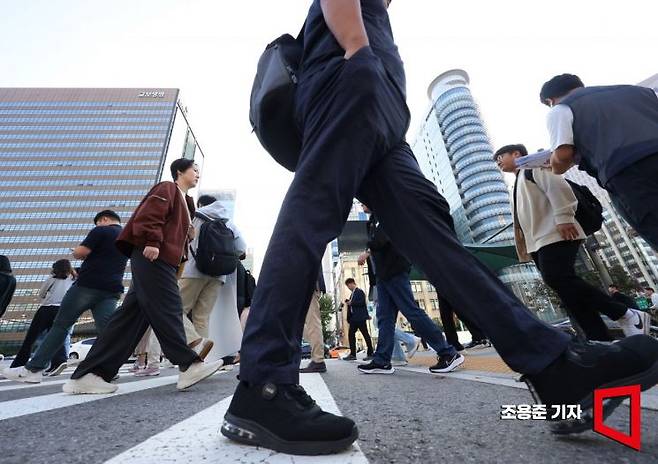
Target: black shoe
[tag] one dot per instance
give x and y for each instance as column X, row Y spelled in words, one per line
column 447, row 363
column 478, row 344
column 284, row 418
column 368, row 358
column 373, row 368
column 314, row 367
column 350, row 357
column 584, row 367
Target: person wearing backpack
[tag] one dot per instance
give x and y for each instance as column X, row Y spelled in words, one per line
column 212, row 259
column 548, row 232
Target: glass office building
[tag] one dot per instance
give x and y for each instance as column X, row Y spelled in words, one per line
column 454, row 152
column 67, row 154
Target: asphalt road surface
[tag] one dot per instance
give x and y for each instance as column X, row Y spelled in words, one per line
column 411, row 416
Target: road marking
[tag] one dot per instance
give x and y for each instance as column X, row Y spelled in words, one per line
column 197, row 439
column 25, row 406
column 649, row 398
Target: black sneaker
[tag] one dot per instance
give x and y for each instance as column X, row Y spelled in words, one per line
column 374, row 368
column 447, row 363
column 284, row 418
column 477, row 344
column 349, row 357
column 314, row 367
column 584, row 367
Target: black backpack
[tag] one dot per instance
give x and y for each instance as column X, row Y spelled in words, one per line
column 215, row 253
column 272, row 102
column 250, row 287
column 589, row 212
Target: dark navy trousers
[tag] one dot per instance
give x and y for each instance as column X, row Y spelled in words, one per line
column 353, row 120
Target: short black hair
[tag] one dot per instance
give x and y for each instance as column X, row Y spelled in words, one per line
column 559, row 86
column 613, row 286
column 350, row 281
column 511, row 148
column 5, row 265
column 180, row 165
column 205, row 200
column 62, row 269
column 108, row 213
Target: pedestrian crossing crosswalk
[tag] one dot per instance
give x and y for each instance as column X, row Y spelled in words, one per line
column 191, row 440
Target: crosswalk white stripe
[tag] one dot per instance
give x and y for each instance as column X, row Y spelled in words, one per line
column 22, row 386
column 22, row 407
column 197, row 439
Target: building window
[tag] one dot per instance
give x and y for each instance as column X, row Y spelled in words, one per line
column 435, row 303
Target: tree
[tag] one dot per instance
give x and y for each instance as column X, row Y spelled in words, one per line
column 621, row 279
column 326, row 314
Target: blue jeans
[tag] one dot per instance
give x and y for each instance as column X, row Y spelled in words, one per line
column 400, row 336
column 395, row 294
column 76, row 301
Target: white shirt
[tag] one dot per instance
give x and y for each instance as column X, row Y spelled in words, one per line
column 560, row 126
column 53, row 290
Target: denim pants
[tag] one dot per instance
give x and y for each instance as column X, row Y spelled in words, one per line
column 395, row 294
column 401, row 337
column 76, row 301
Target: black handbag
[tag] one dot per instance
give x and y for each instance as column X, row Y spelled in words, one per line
column 271, row 109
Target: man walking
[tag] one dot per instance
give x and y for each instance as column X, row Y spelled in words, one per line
column 610, row 132
column 394, row 294
column 351, row 112
column 200, row 291
column 98, row 288
column 548, row 233
column 357, row 318
column 155, row 239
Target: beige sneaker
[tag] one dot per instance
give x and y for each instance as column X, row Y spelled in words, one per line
column 21, row 374
column 197, row 372
column 89, row 384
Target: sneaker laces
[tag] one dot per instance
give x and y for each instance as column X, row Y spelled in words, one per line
column 298, row 393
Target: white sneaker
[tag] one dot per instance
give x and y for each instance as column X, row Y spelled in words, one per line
column 634, row 322
column 399, row 363
column 21, row 374
column 197, row 372
column 412, row 351
column 89, row 384
column 58, row 370
column 203, row 348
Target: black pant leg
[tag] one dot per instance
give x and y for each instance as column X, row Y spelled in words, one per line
column 117, row 341
column 448, row 321
column 351, row 336
column 363, row 328
column 42, row 321
column 556, row 263
column 159, row 301
column 398, row 193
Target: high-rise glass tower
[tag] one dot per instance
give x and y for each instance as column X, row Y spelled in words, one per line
column 454, row 152
column 65, row 155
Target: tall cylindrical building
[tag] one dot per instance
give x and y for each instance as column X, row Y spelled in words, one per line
column 483, row 201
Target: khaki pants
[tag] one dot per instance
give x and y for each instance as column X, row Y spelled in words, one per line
column 150, row 346
column 313, row 329
column 199, row 296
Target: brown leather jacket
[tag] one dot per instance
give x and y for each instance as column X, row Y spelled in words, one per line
column 161, row 220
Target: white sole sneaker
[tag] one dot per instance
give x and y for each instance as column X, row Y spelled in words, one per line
column 58, row 370
column 378, row 371
column 635, row 323
column 89, row 384
column 458, row 361
column 196, row 373
column 21, row 374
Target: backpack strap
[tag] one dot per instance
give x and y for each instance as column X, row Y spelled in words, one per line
column 528, row 173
